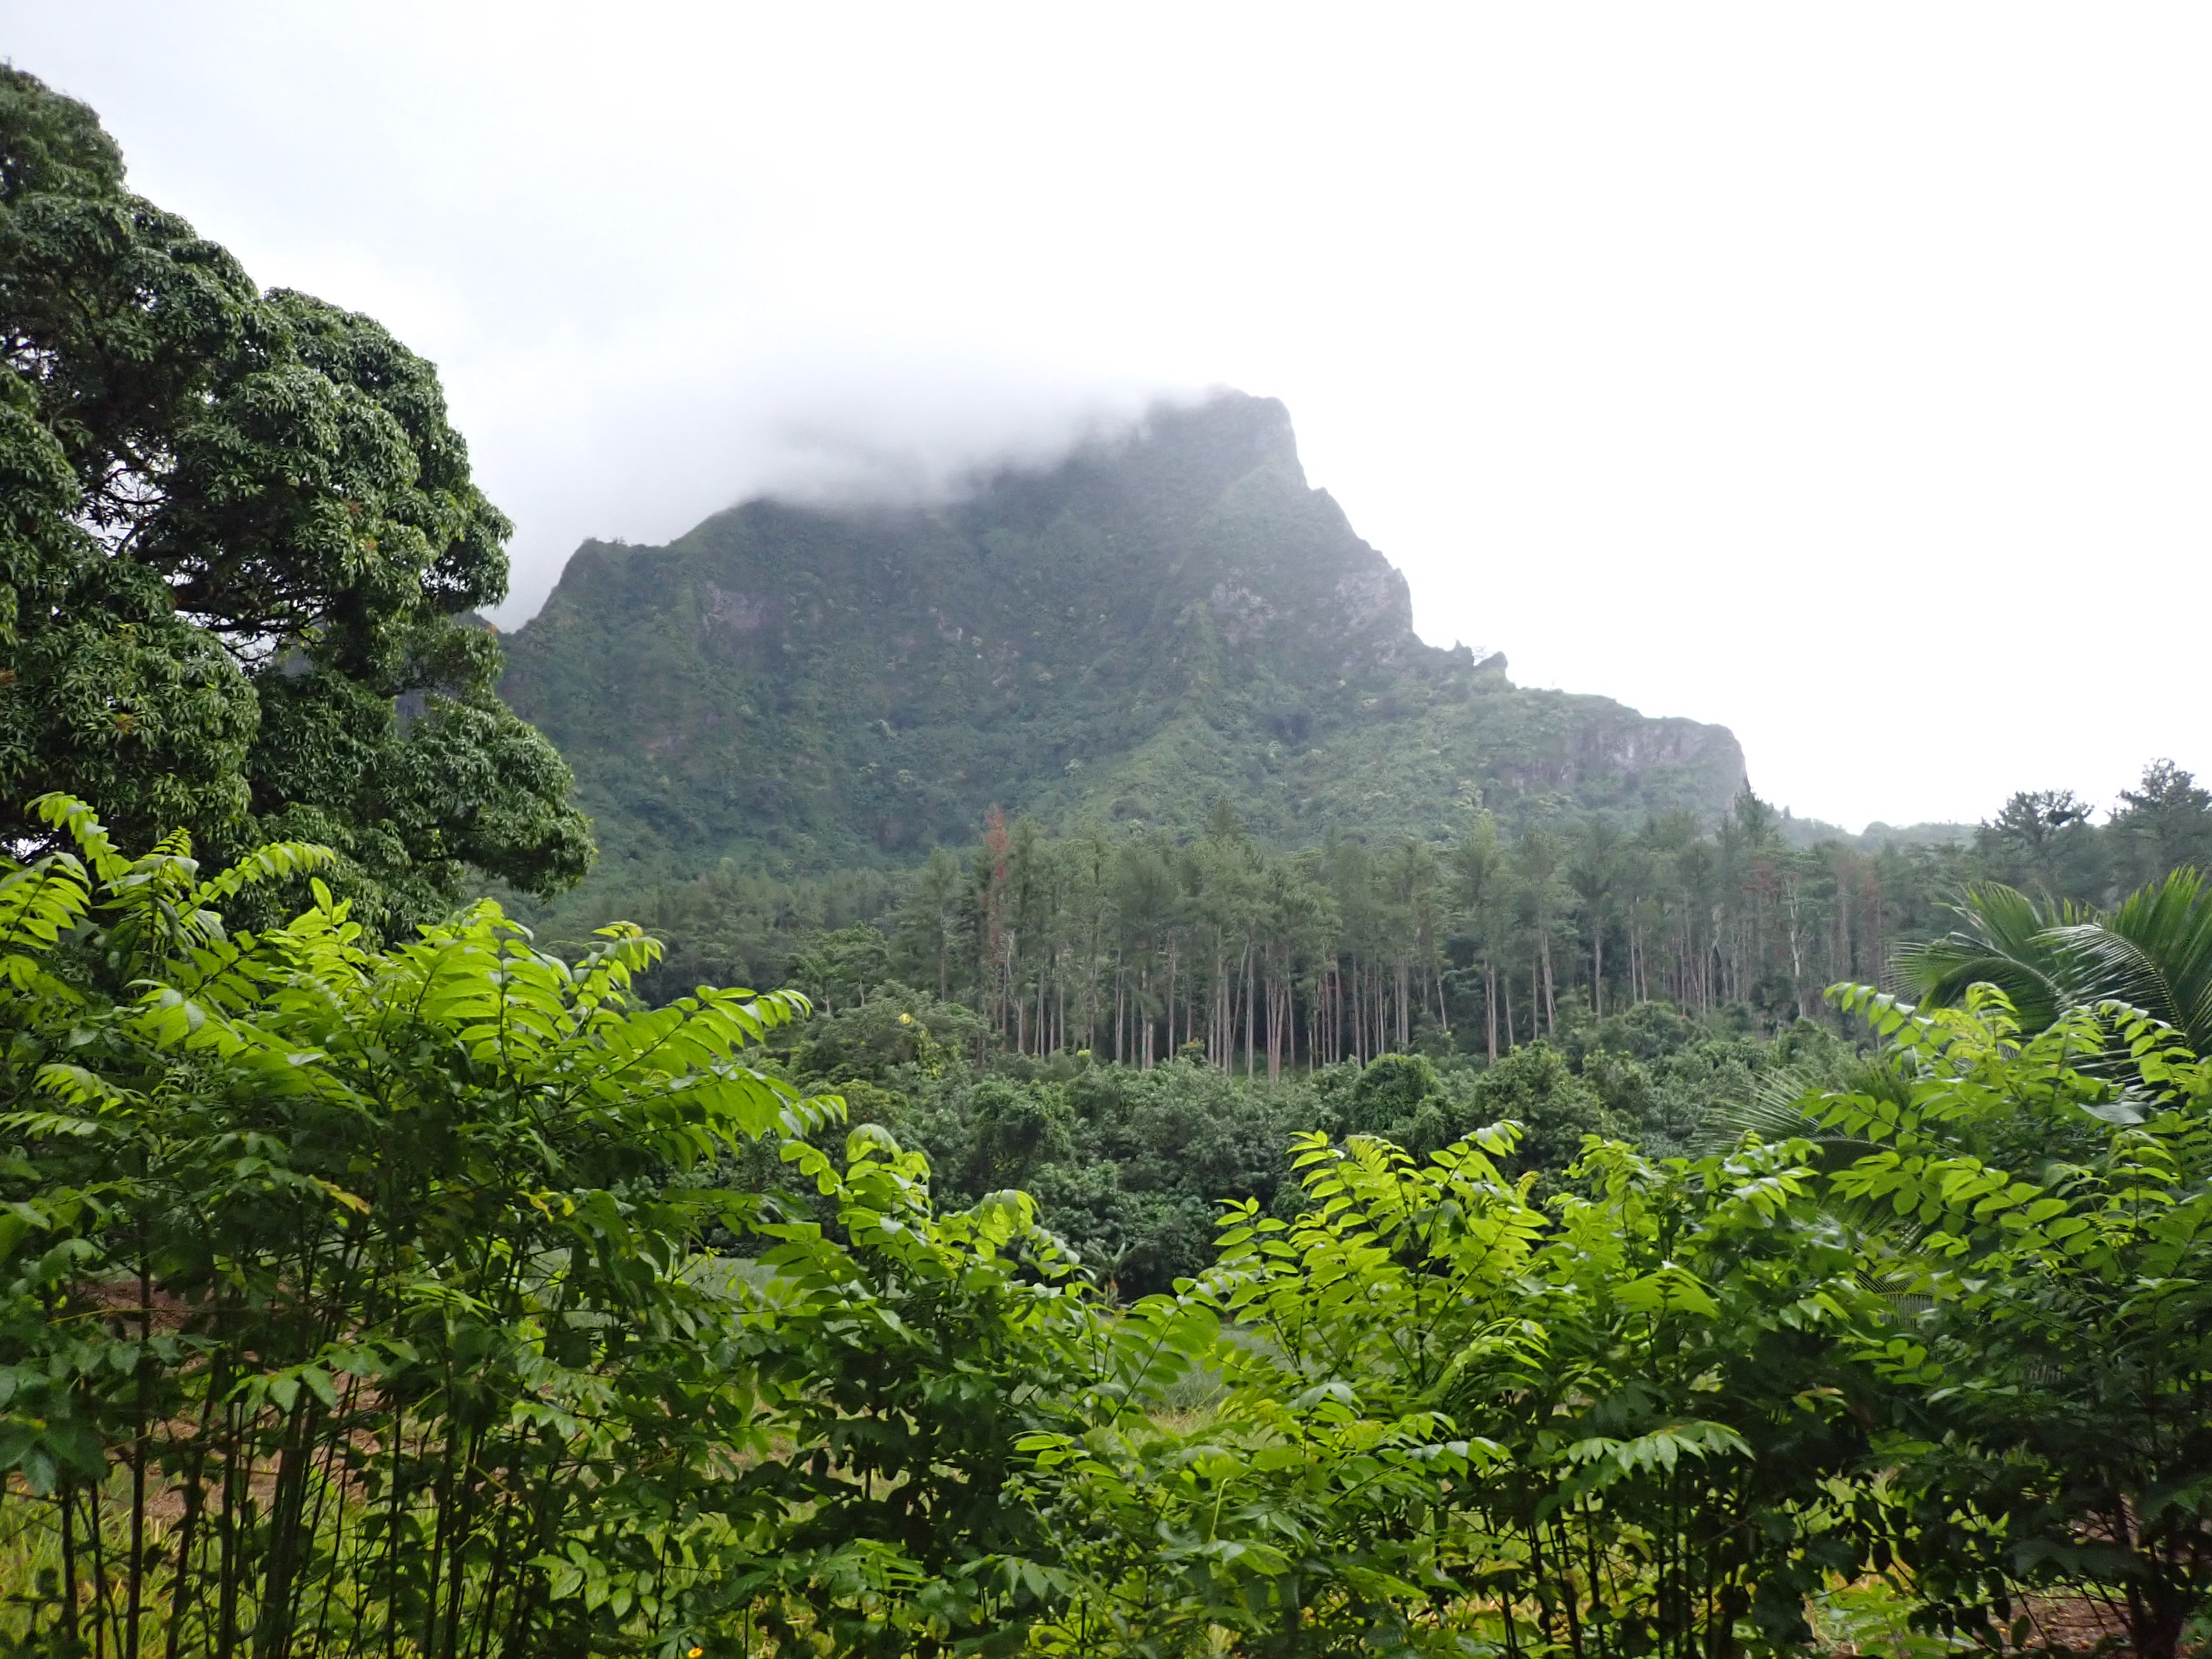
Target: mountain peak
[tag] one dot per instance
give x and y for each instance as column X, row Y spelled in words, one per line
column 1160, row 620
column 1228, row 434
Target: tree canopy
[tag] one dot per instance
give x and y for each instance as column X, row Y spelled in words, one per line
column 240, row 550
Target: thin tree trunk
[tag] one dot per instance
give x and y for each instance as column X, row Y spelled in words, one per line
column 1489, row 1007
column 1248, row 1014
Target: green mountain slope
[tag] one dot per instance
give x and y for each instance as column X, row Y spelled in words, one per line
column 1152, row 625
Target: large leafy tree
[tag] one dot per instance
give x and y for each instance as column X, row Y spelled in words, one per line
column 239, row 548
column 2042, row 840
column 2164, row 823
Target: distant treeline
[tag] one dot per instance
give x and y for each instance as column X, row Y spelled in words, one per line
column 1138, row 948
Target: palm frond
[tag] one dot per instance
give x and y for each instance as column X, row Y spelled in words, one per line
column 1781, row 1106
column 2006, row 940
column 2153, row 952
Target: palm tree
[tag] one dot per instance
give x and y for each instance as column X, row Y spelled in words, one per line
column 2153, row 952
column 2007, row 942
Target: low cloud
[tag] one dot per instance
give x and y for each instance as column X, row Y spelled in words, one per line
column 925, row 444
column 615, row 456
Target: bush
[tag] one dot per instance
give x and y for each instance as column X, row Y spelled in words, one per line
column 1557, row 1110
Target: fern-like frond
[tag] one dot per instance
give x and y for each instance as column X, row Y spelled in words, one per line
column 275, row 862
column 81, row 823
column 41, row 902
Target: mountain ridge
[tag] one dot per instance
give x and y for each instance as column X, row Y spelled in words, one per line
column 1155, row 623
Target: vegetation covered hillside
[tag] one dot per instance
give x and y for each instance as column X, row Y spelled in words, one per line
column 1156, row 624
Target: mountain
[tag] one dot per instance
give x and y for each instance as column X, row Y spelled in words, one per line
column 1157, row 623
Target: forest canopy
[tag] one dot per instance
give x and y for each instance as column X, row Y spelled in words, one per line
column 1132, row 945
column 1663, row 987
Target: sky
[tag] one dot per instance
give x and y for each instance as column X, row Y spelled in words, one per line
column 1840, row 374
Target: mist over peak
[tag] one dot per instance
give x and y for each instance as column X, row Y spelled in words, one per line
column 862, row 463
column 899, row 453
column 641, row 461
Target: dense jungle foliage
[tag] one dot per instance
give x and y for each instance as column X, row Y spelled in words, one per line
column 1133, row 947
column 1658, row 988
column 400, row 1301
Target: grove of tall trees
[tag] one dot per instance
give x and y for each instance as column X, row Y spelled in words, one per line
column 1138, row 948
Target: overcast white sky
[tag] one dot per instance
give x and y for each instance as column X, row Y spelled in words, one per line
column 1838, row 374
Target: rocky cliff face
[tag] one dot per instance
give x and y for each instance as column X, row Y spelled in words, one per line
column 1154, row 624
